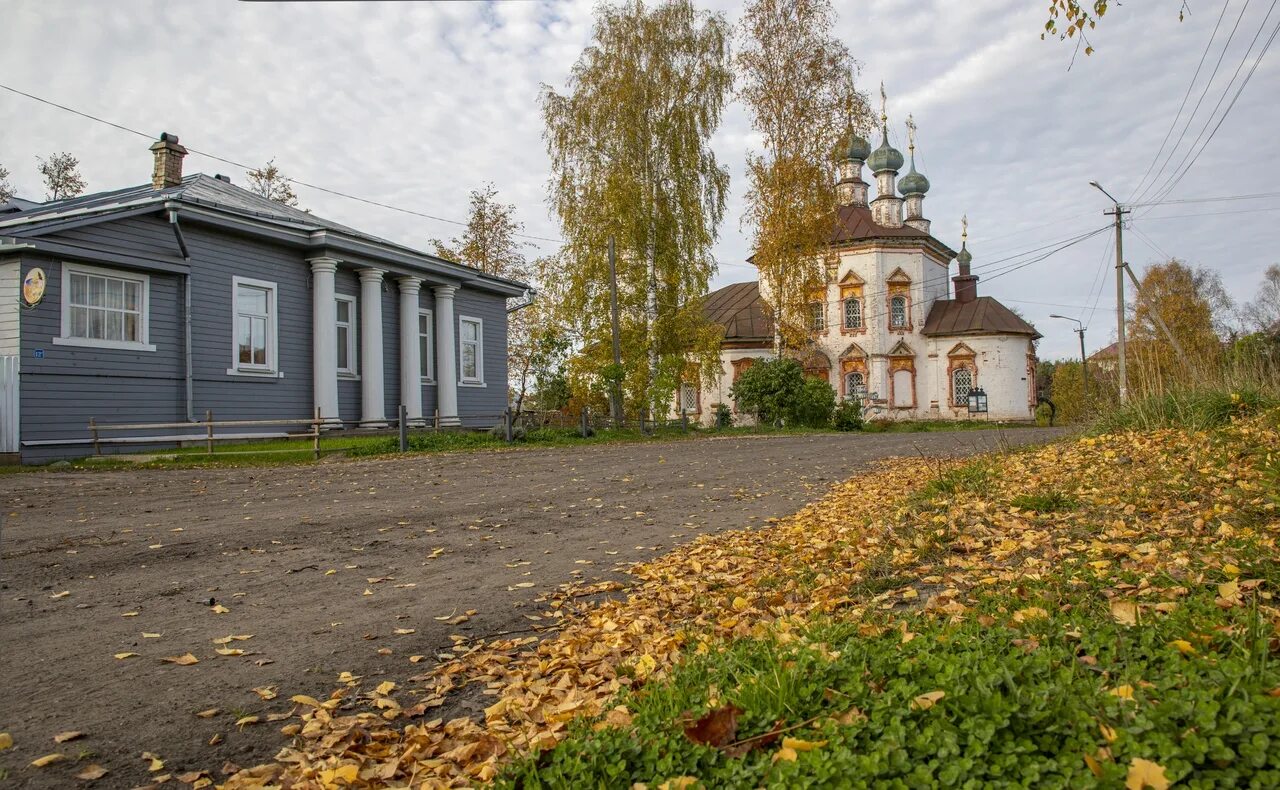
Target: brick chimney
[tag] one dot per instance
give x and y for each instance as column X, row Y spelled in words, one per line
column 168, row 169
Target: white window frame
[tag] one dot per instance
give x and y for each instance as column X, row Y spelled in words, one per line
column 353, row 343
column 844, row 317
column 817, row 317
column 429, row 342
column 66, row 339
column 478, row 380
column 906, row 312
column 956, row 400
column 852, row 393
column 272, row 368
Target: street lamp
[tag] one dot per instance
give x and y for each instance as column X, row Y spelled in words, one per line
column 1084, row 362
column 1118, row 212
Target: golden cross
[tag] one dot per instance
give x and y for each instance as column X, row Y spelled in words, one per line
column 964, row 228
column 884, row 101
column 911, row 133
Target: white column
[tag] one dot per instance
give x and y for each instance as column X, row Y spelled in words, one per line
column 324, row 338
column 446, row 357
column 410, row 355
column 372, row 408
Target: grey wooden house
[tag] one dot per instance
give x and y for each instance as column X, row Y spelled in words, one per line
column 189, row 293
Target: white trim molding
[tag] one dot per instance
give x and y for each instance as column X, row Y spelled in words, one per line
column 352, row 368
column 270, row 368
column 478, row 379
column 324, row 339
column 373, row 410
column 142, row 281
column 428, row 341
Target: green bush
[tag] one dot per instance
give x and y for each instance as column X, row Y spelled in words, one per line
column 724, row 416
column 769, row 388
column 813, row 407
column 847, row 417
column 778, row 391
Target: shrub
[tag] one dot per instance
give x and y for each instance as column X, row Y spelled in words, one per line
column 847, row 417
column 769, row 388
column 813, row 407
column 724, row 416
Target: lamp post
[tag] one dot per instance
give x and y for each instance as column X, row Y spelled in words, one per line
column 1118, row 212
column 1084, row 362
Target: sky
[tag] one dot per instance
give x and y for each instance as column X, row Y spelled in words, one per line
column 415, row 104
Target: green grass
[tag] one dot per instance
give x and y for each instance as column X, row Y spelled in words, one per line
column 1047, row 500
column 1196, row 409
column 1021, row 706
column 275, row 452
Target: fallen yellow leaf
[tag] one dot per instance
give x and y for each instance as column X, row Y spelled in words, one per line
column 92, row 772
column 229, row 651
column 6, row 741
column 219, row 609
column 48, row 759
column 303, row 699
column 69, row 735
column 926, row 701
column 802, row 746
column 184, row 660
column 1124, row 611
column 785, row 753
column 1184, row 646
column 1144, row 773
column 125, row 655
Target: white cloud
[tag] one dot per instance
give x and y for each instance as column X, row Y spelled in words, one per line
column 416, row 104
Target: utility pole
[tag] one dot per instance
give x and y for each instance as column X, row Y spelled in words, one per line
column 1084, row 361
column 1118, row 212
column 615, row 390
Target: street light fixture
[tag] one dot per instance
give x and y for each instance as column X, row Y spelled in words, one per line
column 1119, row 213
column 1084, row 362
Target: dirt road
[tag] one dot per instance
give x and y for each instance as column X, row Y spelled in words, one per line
column 347, row 566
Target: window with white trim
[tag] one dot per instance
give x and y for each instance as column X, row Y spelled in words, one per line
column 426, row 346
column 853, row 313
column 254, row 312
column 961, row 384
column 689, row 397
column 898, row 312
column 346, row 319
column 471, row 350
column 104, row 308
column 855, row 385
column 817, row 316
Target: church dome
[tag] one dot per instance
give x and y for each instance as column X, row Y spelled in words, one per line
column 858, row 147
column 886, row 157
column 913, row 183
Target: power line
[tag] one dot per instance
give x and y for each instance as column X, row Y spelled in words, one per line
column 1099, row 280
column 245, row 167
column 1147, row 218
column 1190, row 159
column 1219, row 199
column 1208, row 84
column 1208, row 45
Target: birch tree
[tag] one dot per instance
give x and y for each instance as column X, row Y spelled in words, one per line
column 491, row 241
column 269, row 182
column 6, row 191
column 629, row 142
column 61, row 174
column 796, row 79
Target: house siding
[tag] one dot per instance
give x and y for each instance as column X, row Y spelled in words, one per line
column 10, row 293
column 69, row 385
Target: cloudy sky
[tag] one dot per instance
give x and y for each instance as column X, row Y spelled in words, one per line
column 414, row 104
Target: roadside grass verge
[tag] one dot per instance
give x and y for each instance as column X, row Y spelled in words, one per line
column 276, row 452
column 917, row 626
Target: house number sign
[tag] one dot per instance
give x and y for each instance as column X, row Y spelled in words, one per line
column 33, row 287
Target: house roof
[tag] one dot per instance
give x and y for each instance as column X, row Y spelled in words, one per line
column 854, row 223
column 982, row 316
column 740, row 309
column 1106, row 352
column 211, row 192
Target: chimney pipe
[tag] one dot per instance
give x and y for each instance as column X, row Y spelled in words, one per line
column 168, row 164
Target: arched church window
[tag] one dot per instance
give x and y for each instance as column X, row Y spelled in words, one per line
column 817, row 316
column 852, row 313
column 898, row 312
column 855, row 385
column 961, row 383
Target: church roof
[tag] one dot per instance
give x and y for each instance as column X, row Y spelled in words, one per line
column 982, row 316
column 740, row 310
column 854, row 223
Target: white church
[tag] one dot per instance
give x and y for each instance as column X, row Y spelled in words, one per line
column 888, row 329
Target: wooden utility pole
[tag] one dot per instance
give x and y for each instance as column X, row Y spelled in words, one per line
column 615, row 388
column 1118, row 212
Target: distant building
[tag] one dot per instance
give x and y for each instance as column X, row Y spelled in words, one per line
column 188, row 294
column 886, row 328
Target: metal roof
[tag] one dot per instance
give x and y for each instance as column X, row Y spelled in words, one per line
column 740, row 310
column 982, row 316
